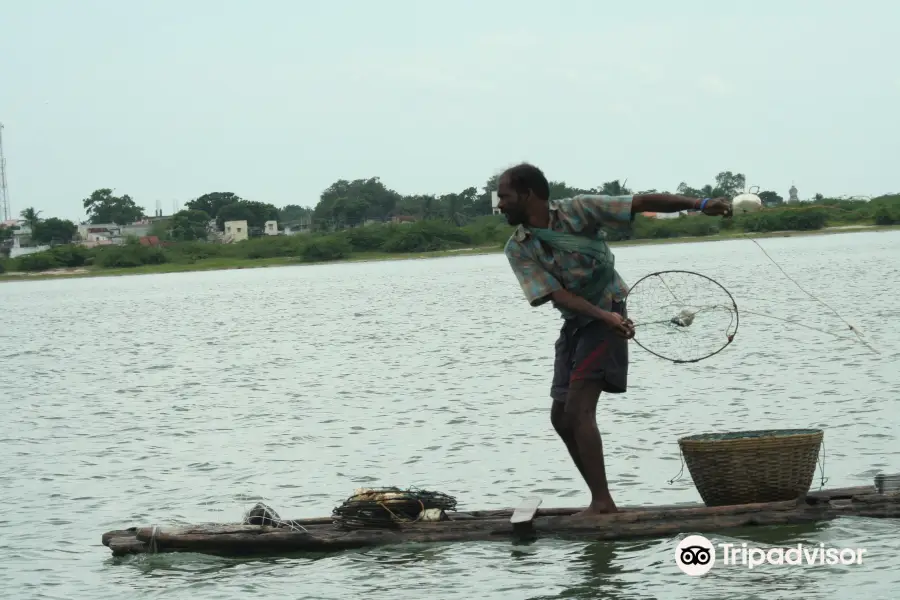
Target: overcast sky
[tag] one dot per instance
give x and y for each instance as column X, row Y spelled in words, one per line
column 276, row 99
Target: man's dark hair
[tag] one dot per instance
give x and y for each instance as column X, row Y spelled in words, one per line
column 526, row 177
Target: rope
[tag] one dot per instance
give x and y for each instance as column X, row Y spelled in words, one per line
column 388, row 507
column 681, row 470
column 831, row 333
column 259, row 514
column 686, row 315
column 822, row 302
column 822, row 478
column 152, row 547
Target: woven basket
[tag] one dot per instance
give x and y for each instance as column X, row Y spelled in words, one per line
column 744, row 467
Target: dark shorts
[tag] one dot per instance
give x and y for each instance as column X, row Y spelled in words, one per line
column 590, row 352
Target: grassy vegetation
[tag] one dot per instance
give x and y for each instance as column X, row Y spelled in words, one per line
column 428, row 238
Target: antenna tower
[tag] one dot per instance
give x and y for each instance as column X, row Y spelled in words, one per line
column 4, row 190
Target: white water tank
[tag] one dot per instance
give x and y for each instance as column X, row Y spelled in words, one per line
column 745, row 203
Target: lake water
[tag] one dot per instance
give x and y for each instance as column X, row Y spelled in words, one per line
column 164, row 399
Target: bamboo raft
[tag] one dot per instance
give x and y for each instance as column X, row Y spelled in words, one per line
column 275, row 536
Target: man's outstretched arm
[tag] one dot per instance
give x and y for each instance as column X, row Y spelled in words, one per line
column 617, row 212
column 669, row 203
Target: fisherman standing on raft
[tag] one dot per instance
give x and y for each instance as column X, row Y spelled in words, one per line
column 559, row 253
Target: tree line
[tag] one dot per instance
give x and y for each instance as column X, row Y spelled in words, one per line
column 436, row 234
column 442, row 222
column 343, row 204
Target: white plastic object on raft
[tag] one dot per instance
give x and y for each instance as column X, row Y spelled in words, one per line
column 744, row 203
column 432, row 514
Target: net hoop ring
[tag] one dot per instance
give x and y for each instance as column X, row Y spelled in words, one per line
column 730, row 337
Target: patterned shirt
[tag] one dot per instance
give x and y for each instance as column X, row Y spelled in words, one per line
column 542, row 271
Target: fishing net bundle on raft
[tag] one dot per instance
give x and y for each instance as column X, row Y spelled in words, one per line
column 389, row 507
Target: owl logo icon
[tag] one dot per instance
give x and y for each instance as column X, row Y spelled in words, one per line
column 695, row 555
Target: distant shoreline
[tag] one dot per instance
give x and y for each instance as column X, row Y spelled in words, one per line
column 226, row 264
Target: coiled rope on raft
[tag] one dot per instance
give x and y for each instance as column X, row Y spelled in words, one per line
column 388, row 507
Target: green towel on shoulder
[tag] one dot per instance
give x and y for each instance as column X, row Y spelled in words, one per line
column 595, row 247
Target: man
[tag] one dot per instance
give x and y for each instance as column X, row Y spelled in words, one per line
column 559, row 253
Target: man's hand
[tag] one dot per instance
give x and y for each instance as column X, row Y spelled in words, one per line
column 619, row 324
column 715, row 207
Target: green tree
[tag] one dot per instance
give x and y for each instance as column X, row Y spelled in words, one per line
column 31, row 217
column 161, row 228
column 213, row 202
column 189, row 225
column 293, row 213
column 884, row 215
column 707, row 191
column 410, row 205
column 255, row 213
column 727, row 184
column 614, row 188
column 459, row 208
column 54, row 231
column 102, row 207
column 347, row 203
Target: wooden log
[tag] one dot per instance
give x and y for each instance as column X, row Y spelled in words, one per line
column 500, row 513
column 309, row 521
column 239, row 539
column 821, row 495
column 846, row 492
column 561, row 523
column 277, row 542
column 123, row 546
column 130, row 532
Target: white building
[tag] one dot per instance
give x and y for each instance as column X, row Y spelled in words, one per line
column 21, row 238
column 102, row 234
column 235, row 231
column 99, row 234
column 18, row 250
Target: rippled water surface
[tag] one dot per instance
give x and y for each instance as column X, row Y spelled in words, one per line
column 178, row 398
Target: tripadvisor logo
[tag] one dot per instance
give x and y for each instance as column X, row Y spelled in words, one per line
column 695, row 555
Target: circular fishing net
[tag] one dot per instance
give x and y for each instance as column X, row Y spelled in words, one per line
column 682, row 316
column 388, row 507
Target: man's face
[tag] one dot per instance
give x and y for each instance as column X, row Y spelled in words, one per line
column 511, row 203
